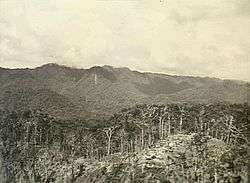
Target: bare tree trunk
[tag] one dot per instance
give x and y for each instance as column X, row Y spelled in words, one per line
column 169, row 126
column 165, row 130
column 208, row 129
column 142, row 138
column 222, row 137
column 40, row 136
column 162, row 128
column 47, row 137
column 27, row 134
column 35, row 134
column 87, row 152
column 201, row 124
column 109, row 132
column 196, row 164
column 109, row 144
column 131, row 146
column 122, row 144
column 149, row 138
column 205, row 127
column 180, row 126
column 229, row 130
column 72, row 173
column 91, row 151
column 215, row 177
column 181, row 118
column 135, row 144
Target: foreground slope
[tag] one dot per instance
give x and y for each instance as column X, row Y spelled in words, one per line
column 179, row 158
column 35, row 147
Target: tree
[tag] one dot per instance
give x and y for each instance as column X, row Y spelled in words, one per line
column 202, row 112
column 181, row 108
column 122, row 134
column 141, row 126
column 109, row 132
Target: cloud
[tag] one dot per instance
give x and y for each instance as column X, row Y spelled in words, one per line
column 186, row 37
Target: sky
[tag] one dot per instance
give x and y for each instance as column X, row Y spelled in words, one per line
column 180, row 37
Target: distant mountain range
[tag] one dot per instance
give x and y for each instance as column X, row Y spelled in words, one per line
column 98, row 92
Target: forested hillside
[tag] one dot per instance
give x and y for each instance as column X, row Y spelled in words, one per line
column 99, row 92
column 144, row 143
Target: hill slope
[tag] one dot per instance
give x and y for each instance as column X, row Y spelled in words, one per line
column 101, row 91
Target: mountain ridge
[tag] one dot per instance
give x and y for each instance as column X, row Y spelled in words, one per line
column 104, row 90
column 52, row 64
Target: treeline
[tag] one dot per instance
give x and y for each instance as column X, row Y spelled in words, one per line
column 24, row 133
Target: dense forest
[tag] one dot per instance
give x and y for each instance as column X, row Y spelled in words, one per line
column 99, row 92
column 35, row 147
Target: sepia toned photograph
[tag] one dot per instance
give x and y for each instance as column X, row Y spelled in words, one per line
column 124, row 91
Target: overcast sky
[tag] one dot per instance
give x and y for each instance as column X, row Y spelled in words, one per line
column 184, row 37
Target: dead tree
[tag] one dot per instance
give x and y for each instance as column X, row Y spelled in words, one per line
column 109, row 132
column 181, row 117
column 122, row 135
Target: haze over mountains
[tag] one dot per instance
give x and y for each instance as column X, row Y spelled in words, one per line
column 98, row 92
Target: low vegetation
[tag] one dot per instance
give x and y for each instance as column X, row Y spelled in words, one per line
column 145, row 143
